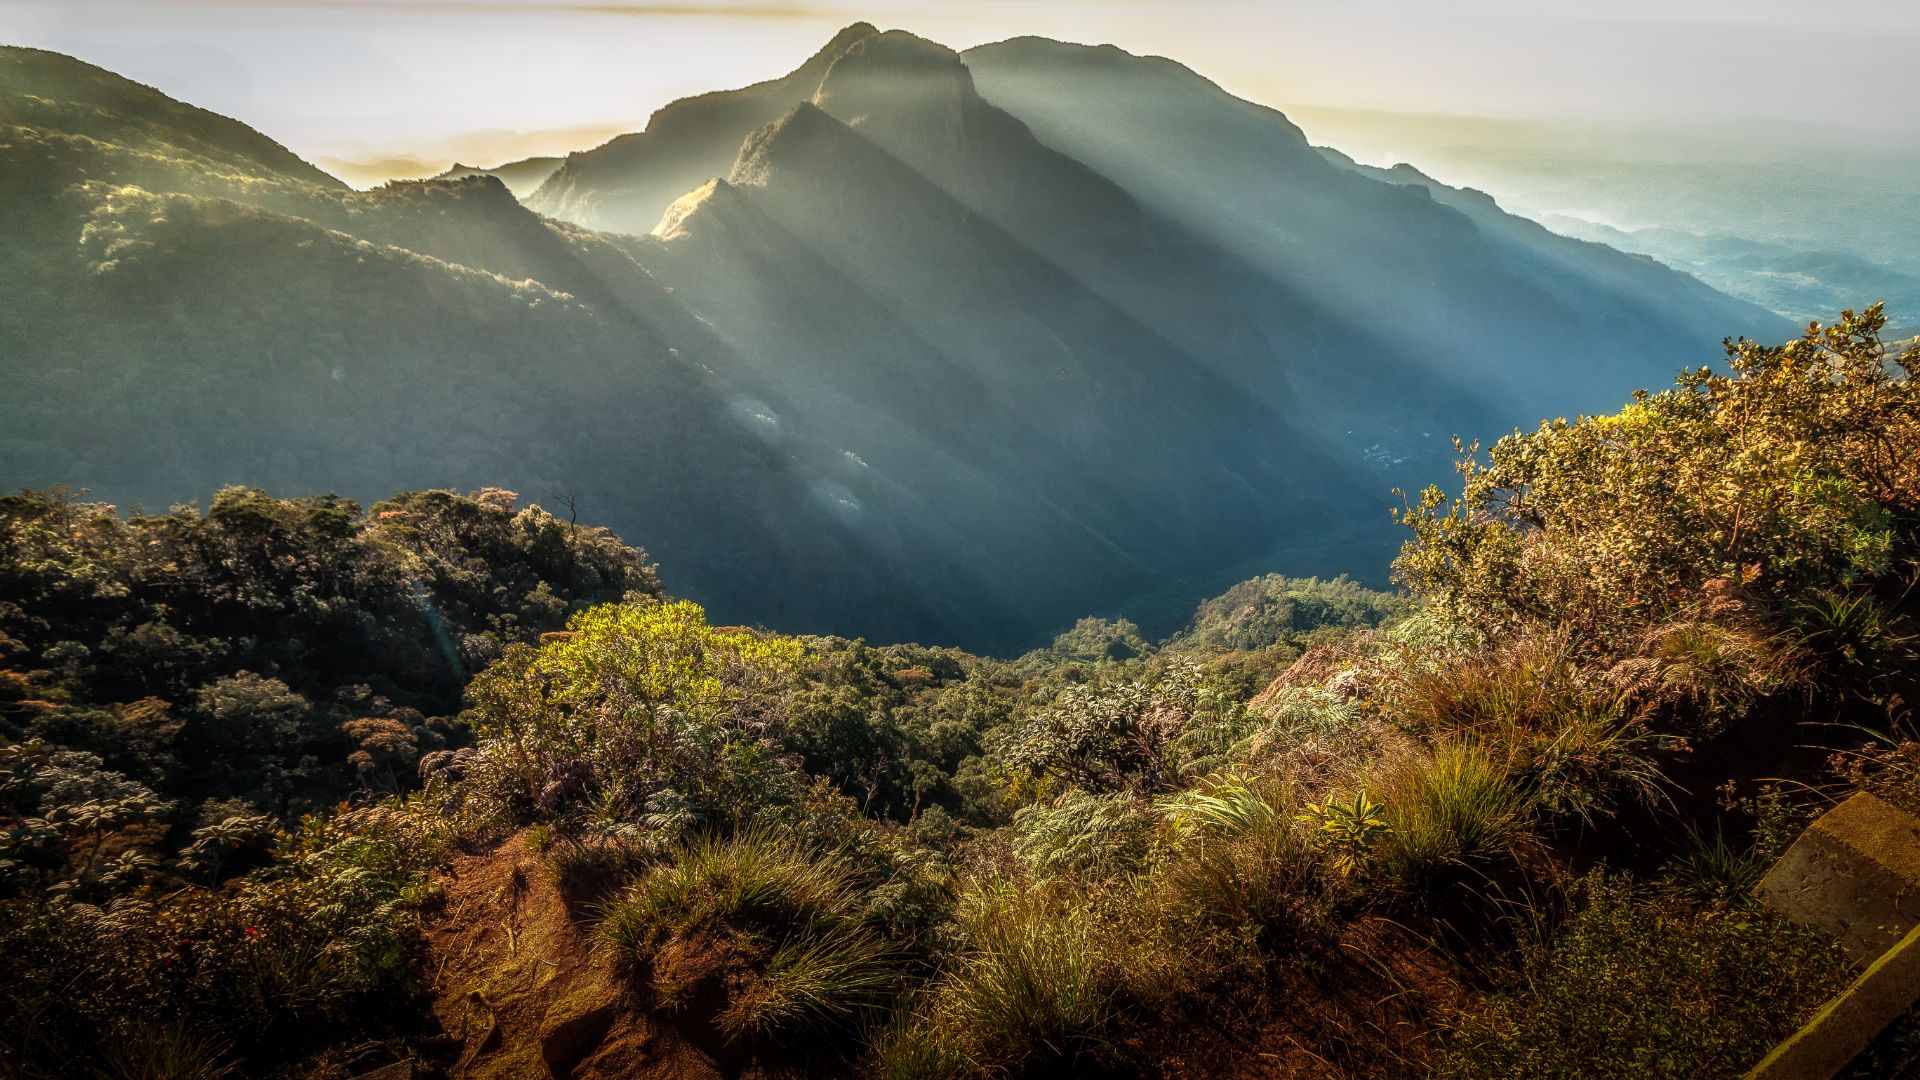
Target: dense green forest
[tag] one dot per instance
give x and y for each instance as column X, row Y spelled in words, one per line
column 293, row 788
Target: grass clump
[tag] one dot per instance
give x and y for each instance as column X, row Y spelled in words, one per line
column 776, row 934
column 1242, row 865
column 1036, row 986
column 1452, row 808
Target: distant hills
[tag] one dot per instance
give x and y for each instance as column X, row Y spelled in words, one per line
column 1801, row 219
column 906, row 343
column 522, row 177
column 1802, row 283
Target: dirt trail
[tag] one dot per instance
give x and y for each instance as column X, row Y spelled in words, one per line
column 517, row 986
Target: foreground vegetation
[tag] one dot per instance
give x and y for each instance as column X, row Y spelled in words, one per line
column 1505, row 823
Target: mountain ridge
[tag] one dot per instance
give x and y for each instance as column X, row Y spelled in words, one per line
column 913, row 369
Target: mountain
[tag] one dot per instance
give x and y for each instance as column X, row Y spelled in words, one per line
column 625, row 185
column 186, row 300
column 1217, row 223
column 1474, row 295
column 907, row 343
column 522, row 177
column 1796, row 217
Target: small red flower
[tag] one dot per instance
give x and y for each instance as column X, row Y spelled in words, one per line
column 253, row 931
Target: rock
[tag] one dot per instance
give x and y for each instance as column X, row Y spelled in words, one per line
column 1855, row 873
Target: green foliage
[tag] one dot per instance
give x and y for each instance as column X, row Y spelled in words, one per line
column 228, row 653
column 258, row 968
column 1294, row 715
column 165, row 1052
column 1347, row 830
column 1789, row 473
column 1104, row 737
column 1088, row 835
column 63, row 809
column 1240, row 872
column 1637, row 985
column 1696, row 675
column 1224, row 804
column 1574, row 744
column 638, row 712
column 1273, row 610
column 1863, row 646
column 1003, row 867
column 1035, row 988
column 900, row 729
column 1712, row 868
column 1454, row 807
column 1098, row 641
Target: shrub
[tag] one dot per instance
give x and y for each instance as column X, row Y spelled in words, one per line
column 1791, row 471
column 1090, row 835
column 1347, row 830
column 1638, row 985
column 259, row 966
column 1111, row 737
column 635, row 704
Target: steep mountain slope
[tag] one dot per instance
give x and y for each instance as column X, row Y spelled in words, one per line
column 176, row 310
column 1447, row 291
column 625, row 185
column 938, row 337
column 50, row 91
column 877, row 444
column 867, row 350
column 1305, row 283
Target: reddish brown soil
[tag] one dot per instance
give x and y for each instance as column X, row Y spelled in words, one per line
column 521, row 993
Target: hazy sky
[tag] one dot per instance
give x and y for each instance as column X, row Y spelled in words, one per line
column 432, row 78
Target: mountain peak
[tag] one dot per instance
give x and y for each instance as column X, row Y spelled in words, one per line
column 894, row 72
column 846, row 38
column 804, row 123
column 712, row 197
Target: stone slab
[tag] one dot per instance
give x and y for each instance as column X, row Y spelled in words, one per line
column 1855, row 872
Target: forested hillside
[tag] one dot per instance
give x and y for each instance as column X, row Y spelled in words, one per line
column 903, row 343
column 292, row 788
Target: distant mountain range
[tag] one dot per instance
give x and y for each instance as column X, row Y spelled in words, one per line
column 522, row 177
column 1801, row 219
column 906, row 343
